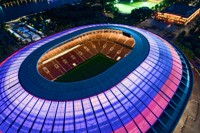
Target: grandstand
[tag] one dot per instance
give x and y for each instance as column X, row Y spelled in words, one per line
column 114, row 44
column 91, row 67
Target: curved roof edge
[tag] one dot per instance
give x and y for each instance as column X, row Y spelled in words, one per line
column 178, row 103
column 46, row 89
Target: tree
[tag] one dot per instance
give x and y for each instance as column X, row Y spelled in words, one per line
column 197, row 52
column 141, row 14
column 104, row 2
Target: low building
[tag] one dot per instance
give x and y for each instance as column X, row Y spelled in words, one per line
column 36, row 31
column 179, row 14
column 19, row 37
column 16, row 34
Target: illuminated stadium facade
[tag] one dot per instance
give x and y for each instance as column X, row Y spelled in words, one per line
column 146, row 90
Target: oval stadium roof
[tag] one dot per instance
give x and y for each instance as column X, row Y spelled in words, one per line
column 146, row 91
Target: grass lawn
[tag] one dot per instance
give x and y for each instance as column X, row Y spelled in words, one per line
column 127, row 7
column 88, row 69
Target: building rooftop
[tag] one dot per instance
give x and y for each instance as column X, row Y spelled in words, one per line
column 180, row 9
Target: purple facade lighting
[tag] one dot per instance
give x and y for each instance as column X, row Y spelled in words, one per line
column 133, row 105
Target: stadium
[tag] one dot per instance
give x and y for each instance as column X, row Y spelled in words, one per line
column 95, row 78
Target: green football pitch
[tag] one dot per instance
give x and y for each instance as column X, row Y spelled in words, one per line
column 90, row 68
column 127, row 7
